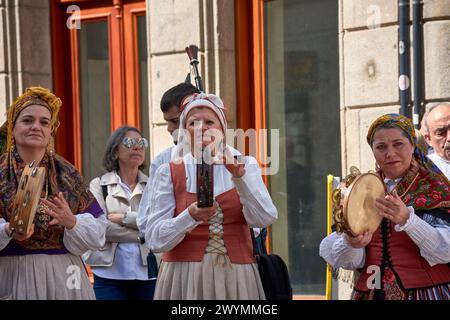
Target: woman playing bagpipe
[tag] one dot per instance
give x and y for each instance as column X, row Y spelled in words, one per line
column 207, row 250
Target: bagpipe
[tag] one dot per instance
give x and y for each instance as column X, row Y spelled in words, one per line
column 205, row 173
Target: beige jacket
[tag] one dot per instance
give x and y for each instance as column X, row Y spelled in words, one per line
column 117, row 201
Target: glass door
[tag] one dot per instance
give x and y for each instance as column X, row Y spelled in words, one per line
column 302, row 101
column 105, row 69
column 288, row 80
column 136, row 67
column 94, row 117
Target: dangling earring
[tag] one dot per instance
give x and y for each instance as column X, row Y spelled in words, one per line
column 51, row 146
column 13, row 144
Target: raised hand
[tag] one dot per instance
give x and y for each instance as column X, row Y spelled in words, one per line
column 236, row 168
column 59, row 210
column 392, row 208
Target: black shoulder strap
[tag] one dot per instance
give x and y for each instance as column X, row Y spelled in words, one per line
column 105, row 192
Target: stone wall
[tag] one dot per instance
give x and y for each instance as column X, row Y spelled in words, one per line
column 25, row 54
column 175, row 24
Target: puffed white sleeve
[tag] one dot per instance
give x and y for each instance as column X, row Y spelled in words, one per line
column 4, row 237
column 141, row 219
column 336, row 251
column 431, row 235
column 259, row 210
column 163, row 230
column 87, row 234
column 144, row 204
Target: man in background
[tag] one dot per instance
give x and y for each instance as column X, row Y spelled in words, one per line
column 437, row 135
column 170, row 107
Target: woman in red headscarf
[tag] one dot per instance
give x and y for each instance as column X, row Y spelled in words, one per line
column 410, row 251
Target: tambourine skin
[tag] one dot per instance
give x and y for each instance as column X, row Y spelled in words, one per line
column 357, row 211
column 27, row 197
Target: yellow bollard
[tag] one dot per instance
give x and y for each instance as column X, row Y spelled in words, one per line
column 330, row 179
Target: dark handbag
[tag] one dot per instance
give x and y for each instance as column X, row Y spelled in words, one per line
column 152, row 265
column 273, row 272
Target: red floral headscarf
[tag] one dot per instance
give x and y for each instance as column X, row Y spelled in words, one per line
column 424, row 186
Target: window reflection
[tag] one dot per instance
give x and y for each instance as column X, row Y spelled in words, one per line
column 143, row 76
column 302, row 57
column 95, row 95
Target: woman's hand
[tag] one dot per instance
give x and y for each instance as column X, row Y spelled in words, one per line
column 59, row 210
column 116, row 217
column 392, row 208
column 359, row 241
column 202, row 214
column 236, row 168
column 18, row 235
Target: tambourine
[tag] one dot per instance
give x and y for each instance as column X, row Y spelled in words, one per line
column 26, row 200
column 354, row 210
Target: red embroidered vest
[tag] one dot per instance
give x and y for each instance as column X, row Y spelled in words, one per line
column 402, row 255
column 236, row 232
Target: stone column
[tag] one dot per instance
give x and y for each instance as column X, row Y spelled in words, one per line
column 368, row 80
column 173, row 25
column 369, row 73
column 436, row 32
column 25, row 56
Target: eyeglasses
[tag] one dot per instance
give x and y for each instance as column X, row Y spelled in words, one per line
column 129, row 143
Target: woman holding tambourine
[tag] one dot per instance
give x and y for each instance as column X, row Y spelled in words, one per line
column 44, row 230
column 409, row 252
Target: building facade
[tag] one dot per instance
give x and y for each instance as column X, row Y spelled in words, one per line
column 318, row 71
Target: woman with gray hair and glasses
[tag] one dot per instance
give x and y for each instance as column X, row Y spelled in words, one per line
column 120, row 270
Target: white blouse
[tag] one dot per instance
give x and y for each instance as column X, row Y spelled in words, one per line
column 164, row 231
column 431, row 235
column 432, row 238
column 87, row 234
column 160, row 159
column 442, row 164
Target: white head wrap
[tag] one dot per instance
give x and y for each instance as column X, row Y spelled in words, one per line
column 199, row 100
